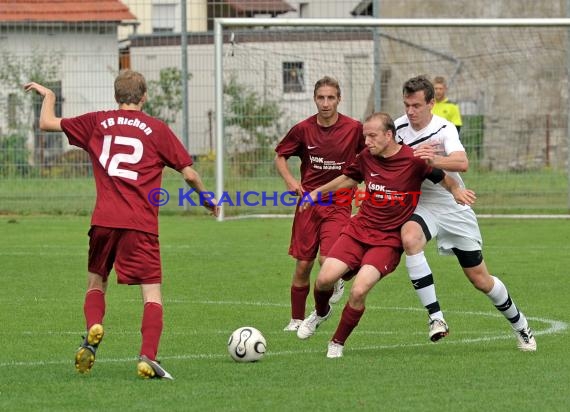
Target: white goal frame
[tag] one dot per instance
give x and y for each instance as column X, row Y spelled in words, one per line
column 221, row 23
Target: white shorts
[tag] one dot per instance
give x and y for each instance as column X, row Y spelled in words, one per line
column 452, row 230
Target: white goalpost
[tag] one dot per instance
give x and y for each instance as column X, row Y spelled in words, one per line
column 509, row 77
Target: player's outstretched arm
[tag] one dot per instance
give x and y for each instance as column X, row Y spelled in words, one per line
column 194, row 180
column 340, row 182
column 48, row 121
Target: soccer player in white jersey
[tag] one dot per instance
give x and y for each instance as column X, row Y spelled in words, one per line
column 438, row 216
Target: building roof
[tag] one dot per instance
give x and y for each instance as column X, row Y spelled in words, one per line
column 71, row 11
column 260, row 6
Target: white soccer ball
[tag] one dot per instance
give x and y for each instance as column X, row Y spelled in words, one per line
column 246, row 344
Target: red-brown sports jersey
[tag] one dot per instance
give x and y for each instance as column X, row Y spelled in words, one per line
column 324, row 151
column 128, row 150
column 393, row 190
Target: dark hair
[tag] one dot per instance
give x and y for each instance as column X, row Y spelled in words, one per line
column 327, row 81
column 386, row 120
column 417, row 84
column 130, row 87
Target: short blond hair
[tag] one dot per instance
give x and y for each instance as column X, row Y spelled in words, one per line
column 130, row 87
column 439, row 80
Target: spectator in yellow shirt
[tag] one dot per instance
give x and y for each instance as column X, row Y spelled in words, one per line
column 443, row 107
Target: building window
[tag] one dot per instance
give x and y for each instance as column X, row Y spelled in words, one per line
column 163, row 17
column 293, row 77
column 124, row 58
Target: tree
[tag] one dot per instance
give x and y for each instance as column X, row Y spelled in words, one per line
column 246, row 110
column 15, row 71
column 165, row 95
column 40, row 66
column 252, row 125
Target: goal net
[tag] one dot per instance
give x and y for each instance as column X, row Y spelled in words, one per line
column 509, row 79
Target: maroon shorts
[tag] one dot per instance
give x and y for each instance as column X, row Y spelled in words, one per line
column 317, row 227
column 356, row 254
column 134, row 254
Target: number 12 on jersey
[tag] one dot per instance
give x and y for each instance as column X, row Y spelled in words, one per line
column 112, row 166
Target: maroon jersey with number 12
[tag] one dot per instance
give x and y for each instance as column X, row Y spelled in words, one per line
column 128, row 150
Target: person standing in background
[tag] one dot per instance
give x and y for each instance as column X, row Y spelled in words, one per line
column 444, row 107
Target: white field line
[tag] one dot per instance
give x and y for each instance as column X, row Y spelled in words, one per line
column 553, row 326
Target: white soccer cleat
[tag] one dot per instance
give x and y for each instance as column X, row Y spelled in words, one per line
column 335, row 350
column 338, row 291
column 526, row 341
column 437, row 329
column 308, row 327
column 293, row 325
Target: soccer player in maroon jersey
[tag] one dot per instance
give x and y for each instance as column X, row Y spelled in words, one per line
column 128, row 151
column 325, row 143
column 371, row 240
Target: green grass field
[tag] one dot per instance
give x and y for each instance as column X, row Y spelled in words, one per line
column 219, row 276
